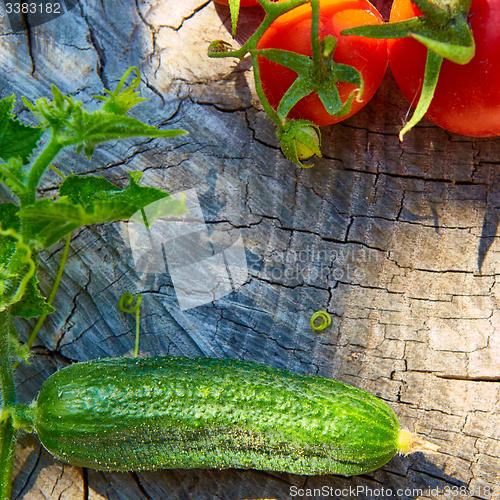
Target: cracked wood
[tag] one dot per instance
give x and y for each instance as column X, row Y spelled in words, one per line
column 398, row 241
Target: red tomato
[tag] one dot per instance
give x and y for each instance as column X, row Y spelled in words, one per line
column 292, row 31
column 467, row 97
column 243, row 3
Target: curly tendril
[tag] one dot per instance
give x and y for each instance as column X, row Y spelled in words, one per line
column 126, row 300
column 135, row 82
column 325, row 320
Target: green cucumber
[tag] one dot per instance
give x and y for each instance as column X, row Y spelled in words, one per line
column 173, row 412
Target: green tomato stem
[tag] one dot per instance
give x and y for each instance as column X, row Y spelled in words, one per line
column 135, row 82
column 234, row 8
column 260, row 93
column 273, row 11
column 318, row 64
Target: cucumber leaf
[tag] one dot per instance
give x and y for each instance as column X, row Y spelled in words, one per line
column 13, row 175
column 17, row 266
column 72, row 124
column 101, row 126
column 16, row 139
column 90, row 200
column 120, row 102
column 32, row 303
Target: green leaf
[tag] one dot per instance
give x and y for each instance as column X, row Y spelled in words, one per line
column 16, row 139
column 32, row 303
column 91, row 129
column 9, row 218
column 431, row 75
column 13, row 175
column 90, row 200
column 120, row 102
column 9, row 222
column 17, row 266
column 10, row 341
column 72, row 124
column 56, row 113
column 234, row 9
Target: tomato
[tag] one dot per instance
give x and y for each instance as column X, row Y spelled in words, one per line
column 292, row 31
column 243, row 3
column 467, row 97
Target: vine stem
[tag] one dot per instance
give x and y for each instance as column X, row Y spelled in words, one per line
column 42, row 162
column 325, row 320
column 50, row 299
column 7, row 430
column 126, row 300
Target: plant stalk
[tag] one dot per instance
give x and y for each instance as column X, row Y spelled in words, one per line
column 319, row 65
column 260, row 93
column 273, row 11
column 52, row 295
column 41, row 164
column 7, row 430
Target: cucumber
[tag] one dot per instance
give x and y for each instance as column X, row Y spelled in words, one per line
column 173, row 412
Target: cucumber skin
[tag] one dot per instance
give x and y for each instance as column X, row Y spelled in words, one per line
column 173, row 412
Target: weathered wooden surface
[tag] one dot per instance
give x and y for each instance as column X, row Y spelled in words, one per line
column 397, row 241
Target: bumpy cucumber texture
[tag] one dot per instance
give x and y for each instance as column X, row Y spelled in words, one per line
column 173, row 412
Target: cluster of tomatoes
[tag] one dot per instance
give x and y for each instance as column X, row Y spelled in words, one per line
column 467, row 96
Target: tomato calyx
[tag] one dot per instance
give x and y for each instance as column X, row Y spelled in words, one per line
column 300, row 139
column 443, row 29
column 318, row 74
column 218, row 47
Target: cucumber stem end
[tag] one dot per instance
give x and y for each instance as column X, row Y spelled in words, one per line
column 410, row 442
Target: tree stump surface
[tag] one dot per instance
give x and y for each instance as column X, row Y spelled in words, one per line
column 398, row 241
